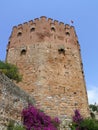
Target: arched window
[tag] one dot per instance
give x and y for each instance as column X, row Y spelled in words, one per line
column 67, row 34
column 23, row 52
column 32, row 29
column 19, row 34
column 53, row 29
column 61, row 51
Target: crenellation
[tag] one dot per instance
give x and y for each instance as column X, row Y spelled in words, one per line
column 36, row 20
column 25, row 23
column 34, row 26
column 56, row 22
column 62, row 24
column 67, row 26
column 73, row 31
column 20, row 26
column 43, row 18
column 14, row 30
column 50, row 20
column 15, row 27
column 30, row 22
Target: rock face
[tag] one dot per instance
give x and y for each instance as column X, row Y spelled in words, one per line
column 47, row 54
column 12, row 101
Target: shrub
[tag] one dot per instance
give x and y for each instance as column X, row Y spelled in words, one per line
column 11, row 71
column 10, row 125
column 89, row 124
column 34, row 119
column 83, row 124
column 77, row 118
column 19, row 127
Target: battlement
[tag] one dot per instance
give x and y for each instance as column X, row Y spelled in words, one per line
column 43, row 19
column 43, row 29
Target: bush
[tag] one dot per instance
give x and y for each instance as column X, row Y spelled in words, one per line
column 11, row 71
column 34, row 119
column 15, row 127
column 83, row 124
column 89, row 124
column 18, row 127
column 10, row 125
column 77, row 118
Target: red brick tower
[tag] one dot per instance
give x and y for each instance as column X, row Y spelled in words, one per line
column 48, row 56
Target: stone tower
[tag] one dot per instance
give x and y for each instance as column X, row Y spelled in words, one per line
column 47, row 54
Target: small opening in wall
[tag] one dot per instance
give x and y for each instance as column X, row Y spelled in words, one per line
column 82, row 72
column 77, row 42
column 19, row 34
column 67, row 34
column 23, row 52
column 74, row 92
column 9, row 43
column 32, row 29
column 53, row 29
column 61, row 51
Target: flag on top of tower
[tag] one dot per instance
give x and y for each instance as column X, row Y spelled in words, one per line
column 72, row 21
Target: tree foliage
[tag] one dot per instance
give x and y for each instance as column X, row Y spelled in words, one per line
column 11, row 71
column 80, row 123
column 94, row 107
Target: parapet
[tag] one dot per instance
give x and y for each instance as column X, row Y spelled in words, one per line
column 44, row 19
column 44, row 27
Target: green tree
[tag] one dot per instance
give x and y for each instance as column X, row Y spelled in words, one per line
column 11, row 71
column 94, row 107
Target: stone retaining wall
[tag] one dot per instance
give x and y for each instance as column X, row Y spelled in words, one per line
column 12, row 100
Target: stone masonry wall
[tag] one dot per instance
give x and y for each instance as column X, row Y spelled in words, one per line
column 12, row 101
column 47, row 54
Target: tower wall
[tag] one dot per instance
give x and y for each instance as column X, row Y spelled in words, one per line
column 47, row 54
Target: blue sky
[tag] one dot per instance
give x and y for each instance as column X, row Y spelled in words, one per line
column 82, row 12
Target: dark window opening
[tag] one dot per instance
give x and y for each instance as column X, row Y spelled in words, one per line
column 9, row 43
column 74, row 92
column 19, row 34
column 32, row 29
column 82, row 72
column 23, row 52
column 77, row 42
column 67, row 33
column 61, row 51
column 53, row 29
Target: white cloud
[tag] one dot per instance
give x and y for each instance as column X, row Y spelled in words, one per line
column 92, row 94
